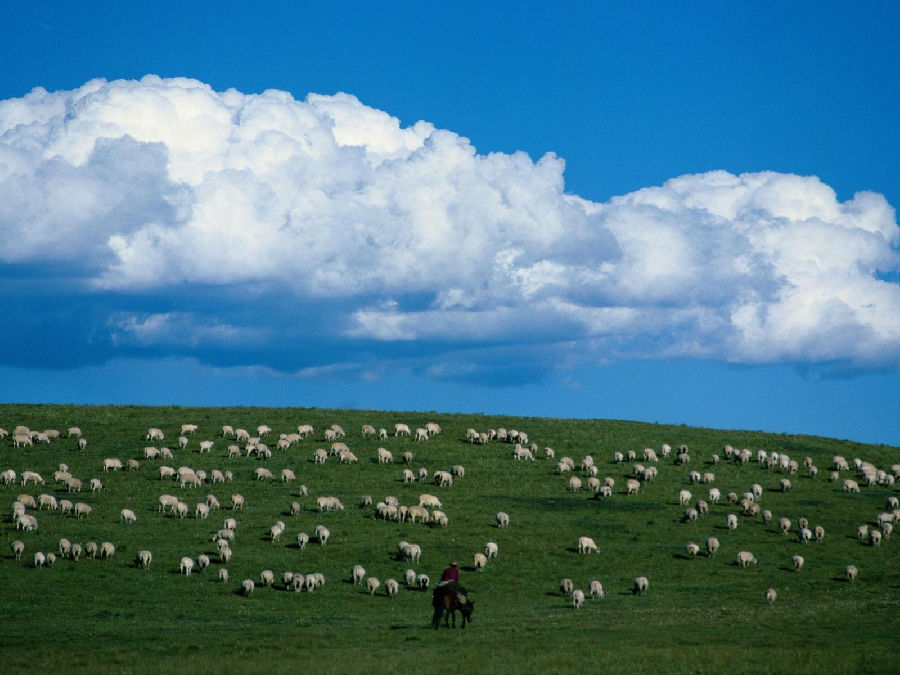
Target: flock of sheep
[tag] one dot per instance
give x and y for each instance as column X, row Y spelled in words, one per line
column 585, row 474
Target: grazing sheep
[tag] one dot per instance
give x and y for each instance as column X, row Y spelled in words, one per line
column 237, row 502
column 851, row 572
column 632, row 487
column 771, row 594
column 267, row 578
column 443, row 479
column 107, row 549
column 692, row 549
column 744, row 558
column 784, row 524
column 262, row 473
column 186, row 566
column 247, row 586
column 850, row 485
column 223, row 574
column 785, row 485
column 804, row 534
column 587, row 545
column 90, row 549
column 82, row 510
column 423, row 581
column 596, row 589
column 322, row 533
column 577, row 598
column 127, row 516
column 480, row 561
column 875, row 537
column 205, row 446
column 797, row 561
column 574, row 484
column 691, row 515
column 731, row 521
column 410, row 577
column 491, row 550
column 39, row 559
column 18, row 548
column 202, row 561
column 502, row 519
column 391, row 587
column 712, row 546
column 372, row 584
column 154, row 434
column 566, row 586
column 143, row 558
column 32, row 477
column 429, row 501
column 357, row 574
column 641, row 586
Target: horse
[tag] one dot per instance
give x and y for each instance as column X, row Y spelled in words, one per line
column 447, row 600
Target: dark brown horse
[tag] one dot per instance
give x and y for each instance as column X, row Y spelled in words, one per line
column 447, row 600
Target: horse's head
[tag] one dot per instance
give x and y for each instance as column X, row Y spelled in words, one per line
column 466, row 610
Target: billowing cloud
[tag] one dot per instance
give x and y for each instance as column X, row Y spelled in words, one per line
column 203, row 222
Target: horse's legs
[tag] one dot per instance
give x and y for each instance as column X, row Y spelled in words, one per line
column 436, row 619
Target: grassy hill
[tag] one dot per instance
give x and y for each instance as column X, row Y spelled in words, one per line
column 700, row 615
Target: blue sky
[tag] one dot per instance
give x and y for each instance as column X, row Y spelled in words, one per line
column 668, row 212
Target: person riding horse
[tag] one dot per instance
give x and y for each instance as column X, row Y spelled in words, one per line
column 449, row 596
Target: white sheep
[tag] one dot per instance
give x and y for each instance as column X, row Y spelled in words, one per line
column 491, row 550
column 357, row 574
column 127, row 516
column 267, row 578
column 712, row 546
column 797, row 561
column 502, row 519
column 784, row 524
column 428, row 500
column 143, row 558
column 692, row 549
column 39, row 559
column 410, row 577
column 262, row 473
column 82, row 510
column 851, row 572
column 577, row 598
column 771, row 594
column 565, row 586
column 18, row 548
column 596, row 589
column 744, row 558
column 731, row 521
column 423, row 581
column 640, row 586
column 322, row 533
column 391, row 587
column 587, row 545
column 372, row 584
column 237, row 502
column 247, row 586
column 186, row 566
column 480, row 561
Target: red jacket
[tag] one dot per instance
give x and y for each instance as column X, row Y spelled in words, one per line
column 450, row 574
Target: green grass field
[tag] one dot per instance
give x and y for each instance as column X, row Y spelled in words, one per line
column 701, row 615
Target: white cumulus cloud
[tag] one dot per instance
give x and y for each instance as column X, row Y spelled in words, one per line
column 146, row 188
